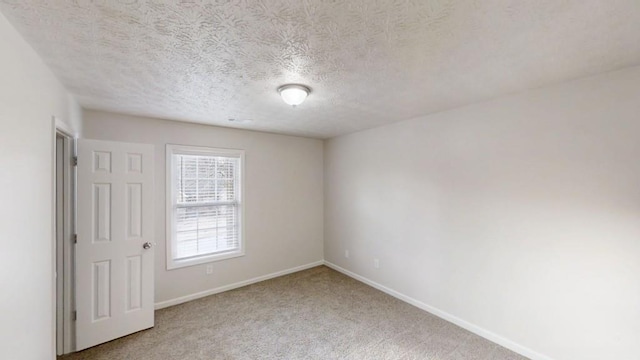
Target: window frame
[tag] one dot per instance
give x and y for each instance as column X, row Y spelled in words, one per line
column 171, row 198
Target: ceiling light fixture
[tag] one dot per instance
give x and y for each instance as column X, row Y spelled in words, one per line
column 294, row 94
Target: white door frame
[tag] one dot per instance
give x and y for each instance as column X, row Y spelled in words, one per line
column 66, row 323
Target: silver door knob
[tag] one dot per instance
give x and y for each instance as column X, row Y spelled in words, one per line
column 147, row 245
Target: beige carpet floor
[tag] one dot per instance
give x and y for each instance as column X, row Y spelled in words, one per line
column 314, row 314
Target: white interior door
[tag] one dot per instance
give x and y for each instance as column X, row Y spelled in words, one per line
column 114, row 264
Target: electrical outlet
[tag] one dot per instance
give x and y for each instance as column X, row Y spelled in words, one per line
column 209, row 269
column 376, row 263
column 346, row 254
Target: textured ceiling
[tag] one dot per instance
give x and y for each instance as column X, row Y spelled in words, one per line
column 368, row 62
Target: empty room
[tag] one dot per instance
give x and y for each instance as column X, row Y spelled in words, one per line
column 315, row 179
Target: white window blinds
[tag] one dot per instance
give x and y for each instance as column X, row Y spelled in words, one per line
column 205, row 204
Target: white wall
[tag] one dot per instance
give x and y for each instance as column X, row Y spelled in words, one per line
column 283, row 198
column 29, row 96
column 519, row 215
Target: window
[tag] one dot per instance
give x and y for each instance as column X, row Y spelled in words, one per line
column 204, row 205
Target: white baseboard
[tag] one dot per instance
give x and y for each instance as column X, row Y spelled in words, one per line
column 522, row 350
column 513, row 346
column 183, row 299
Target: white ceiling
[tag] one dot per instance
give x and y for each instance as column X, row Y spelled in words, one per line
column 368, row 62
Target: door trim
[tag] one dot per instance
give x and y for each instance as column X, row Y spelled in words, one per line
column 61, row 128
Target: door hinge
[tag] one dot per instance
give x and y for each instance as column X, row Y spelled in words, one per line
column 74, row 315
column 75, row 238
column 74, row 161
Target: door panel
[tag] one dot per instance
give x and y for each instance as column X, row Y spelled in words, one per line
column 114, row 287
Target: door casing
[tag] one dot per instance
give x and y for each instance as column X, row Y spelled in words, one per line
column 63, row 209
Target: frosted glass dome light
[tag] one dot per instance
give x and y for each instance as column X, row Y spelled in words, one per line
column 293, row 94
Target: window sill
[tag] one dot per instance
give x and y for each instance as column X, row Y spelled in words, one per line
column 177, row 264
